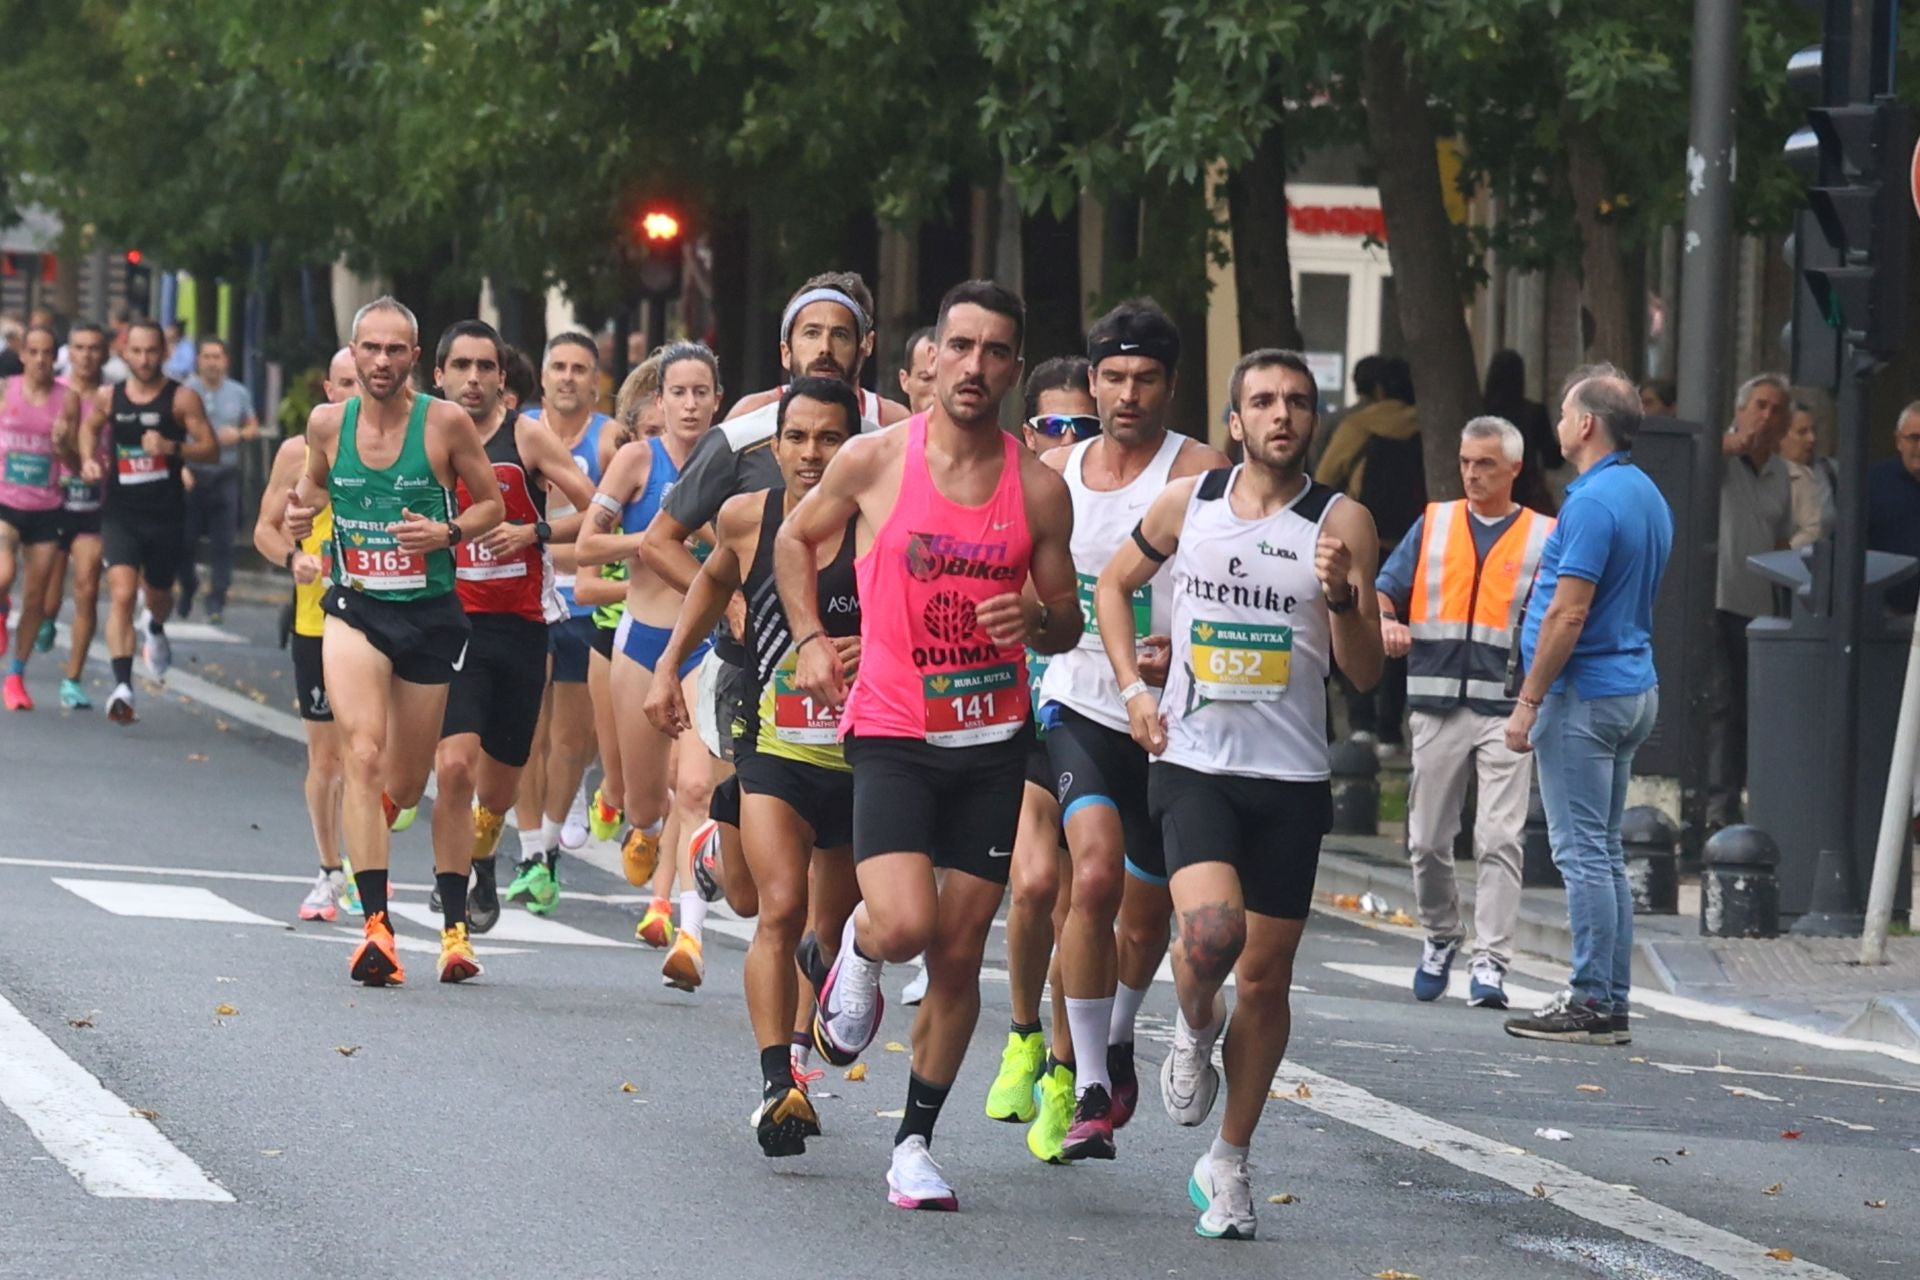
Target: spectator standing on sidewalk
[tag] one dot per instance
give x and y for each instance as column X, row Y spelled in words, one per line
column 1809, row 476
column 1893, row 504
column 1756, row 516
column 1504, row 395
column 1590, row 695
column 213, row 496
column 1450, row 598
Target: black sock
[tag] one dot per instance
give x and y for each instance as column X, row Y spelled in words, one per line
column 373, row 891
column 1053, row 1062
column 923, row 1108
column 453, row 896
column 123, row 670
column 777, row 1067
column 1027, row 1028
column 157, row 628
column 553, row 863
column 326, row 870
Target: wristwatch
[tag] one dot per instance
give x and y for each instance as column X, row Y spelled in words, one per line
column 454, row 534
column 542, row 532
column 1045, row 620
column 1344, row 606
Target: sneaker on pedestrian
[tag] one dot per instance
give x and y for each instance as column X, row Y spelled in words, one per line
column 1567, row 1020
column 851, row 1004
column 158, row 653
column 216, row 616
column 914, row 1181
column 1222, row 1190
column 320, row 902
column 1621, row 1026
column 73, row 696
column 1189, row 1082
column 1487, row 984
column 1435, row 968
column 574, row 832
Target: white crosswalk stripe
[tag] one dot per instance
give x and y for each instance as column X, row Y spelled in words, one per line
column 163, row 901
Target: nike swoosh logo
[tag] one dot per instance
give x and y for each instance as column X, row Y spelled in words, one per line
column 1129, row 346
column 999, row 853
column 998, row 525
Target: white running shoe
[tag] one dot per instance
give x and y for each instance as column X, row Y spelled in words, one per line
column 120, row 705
column 850, row 1006
column 158, row 653
column 1189, row 1082
column 1222, row 1190
column 916, row 989
column 914, row 1181
column 321, row 900
column 574, row 834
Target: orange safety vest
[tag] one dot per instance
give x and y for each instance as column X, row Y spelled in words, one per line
column 1465, row 611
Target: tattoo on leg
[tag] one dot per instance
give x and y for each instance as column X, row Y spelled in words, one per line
column 1213, row 935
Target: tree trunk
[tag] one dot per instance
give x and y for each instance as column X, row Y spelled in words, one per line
column 1262, row 273
column 1605, row 283
column 1421, row 249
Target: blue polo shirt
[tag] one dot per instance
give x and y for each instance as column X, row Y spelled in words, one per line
column 1615, row 531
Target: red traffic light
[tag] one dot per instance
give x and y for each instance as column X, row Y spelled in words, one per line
column 133, row 257
column 657, row 226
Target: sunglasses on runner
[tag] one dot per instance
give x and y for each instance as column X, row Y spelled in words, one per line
column 1082, row 426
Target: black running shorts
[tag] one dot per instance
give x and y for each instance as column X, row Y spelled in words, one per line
column 602, row 642
column 310, row 680
column 958, row 805
column 78, row 524
column 723, row 805
column 822, row 797
column 151, row 546
column 1268, row 830
column 572, row 642
column 1094, row 765
column 34, row 527
column 423, row 639
column 498, row 689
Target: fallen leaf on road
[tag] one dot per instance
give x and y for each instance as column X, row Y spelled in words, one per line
column 146, row 1114
column 1553, row 1135
column 198, row 757
column 1790, row 1135
column 79, row 1022
column 1590, row 1088
column 346, row 1050
column 1391, row 1274
column 1780, row 1255
column 628, row 1087
column 1303, row 1091
column 858, row 1071
column 1287, row 1198
column 220, row 979
column 1539, row 1192
column 273, row 1151
column 257, row 696
column 221, row 725
column 1683, row 1152
column 225, row 1010
column 1641, row 1061
column 1347, row 901
column 1662, row 1160
column 1402, row 919
column 894, row 1046
column 1741, row 1091
column 1875, row 1204
column 896, row 1114
column 1773, row 1190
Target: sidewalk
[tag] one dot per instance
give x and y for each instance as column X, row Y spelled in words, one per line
column 1812, row 982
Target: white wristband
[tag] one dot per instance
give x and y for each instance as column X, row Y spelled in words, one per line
column 1132, row 691
column 607, row 502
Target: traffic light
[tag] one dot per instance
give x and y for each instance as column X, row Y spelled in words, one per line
column 139, row 284
column 659, row 249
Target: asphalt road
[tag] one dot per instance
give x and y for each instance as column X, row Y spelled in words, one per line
column 568, row 1115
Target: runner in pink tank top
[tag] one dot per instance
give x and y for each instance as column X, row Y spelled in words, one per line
column 963, row 563
column 37, row 420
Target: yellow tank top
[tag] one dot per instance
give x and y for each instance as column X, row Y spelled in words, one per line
column 308, row 620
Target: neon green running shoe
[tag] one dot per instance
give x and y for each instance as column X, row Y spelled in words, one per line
column 1011, row 1097
column 537, row 884
column 603, row 820
column 350, row 893
column 1053, row 1094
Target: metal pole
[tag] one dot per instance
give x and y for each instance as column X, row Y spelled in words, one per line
column 1705, row 315
column 1894, row 814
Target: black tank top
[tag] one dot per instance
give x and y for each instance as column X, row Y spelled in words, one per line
column 140, row 484
column 767, row 629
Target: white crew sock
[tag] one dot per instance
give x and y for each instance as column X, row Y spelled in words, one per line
column 1126, row 1007
column 530, row 846
column 655, row 827
column 549, row 834
column 693, row 913
column 1087, row 1023
column 1224, row 1150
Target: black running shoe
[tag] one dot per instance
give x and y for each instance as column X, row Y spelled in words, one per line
column 785, row 1121
column 1566, row 1021
column 483, row 899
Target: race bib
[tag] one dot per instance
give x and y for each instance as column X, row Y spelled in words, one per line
column 136, row 466
column 383, row 568
column 965, row 708
column 82, row 496
column 474, row 563
column 33, row 470
column 1142, row 609
column 1241, row 661
column 797, row 718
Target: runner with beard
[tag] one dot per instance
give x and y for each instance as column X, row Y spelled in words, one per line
column 79, row 545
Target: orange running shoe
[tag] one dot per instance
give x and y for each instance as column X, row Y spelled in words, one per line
column 640, row 858
column 376, row 962
column 685, row 967
column 17, row 697
column 656, row 927
column 389, row 810
column 457, row 962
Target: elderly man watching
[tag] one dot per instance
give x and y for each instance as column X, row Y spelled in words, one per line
column 1451, row 596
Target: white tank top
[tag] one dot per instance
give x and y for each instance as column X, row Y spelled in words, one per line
column 1082, row 678
column 1252, row 642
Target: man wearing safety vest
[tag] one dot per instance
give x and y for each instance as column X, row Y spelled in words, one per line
column 1451, row 599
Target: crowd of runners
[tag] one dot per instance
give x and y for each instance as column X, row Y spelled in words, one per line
column 852, row 665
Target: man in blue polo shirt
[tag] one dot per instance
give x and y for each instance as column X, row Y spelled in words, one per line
column 1590, row 696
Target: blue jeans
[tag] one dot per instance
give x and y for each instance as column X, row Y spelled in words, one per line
column 1585, row 751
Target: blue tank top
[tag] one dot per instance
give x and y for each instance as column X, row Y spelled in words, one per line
column 639, row 513
column 586, row 456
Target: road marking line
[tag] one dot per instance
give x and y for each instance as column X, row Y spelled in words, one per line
column 1393, row 975
column 163, row 901
column 262, row 877
column 82, row 1124
column 513, row 926
column 1616, row 1208
column 353, row 937
column 1722, row 1069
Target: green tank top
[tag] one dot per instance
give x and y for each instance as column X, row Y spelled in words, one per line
column 365, row 501
column 607, row 616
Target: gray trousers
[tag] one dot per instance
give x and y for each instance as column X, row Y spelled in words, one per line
column 1446, row 745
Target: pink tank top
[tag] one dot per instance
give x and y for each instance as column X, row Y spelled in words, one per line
column 927, row 669
column 28, row 481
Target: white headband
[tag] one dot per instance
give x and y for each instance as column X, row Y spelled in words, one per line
column 823, row 294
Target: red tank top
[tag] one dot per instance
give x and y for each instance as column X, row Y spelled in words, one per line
column 927, row 669
column 519, row 584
